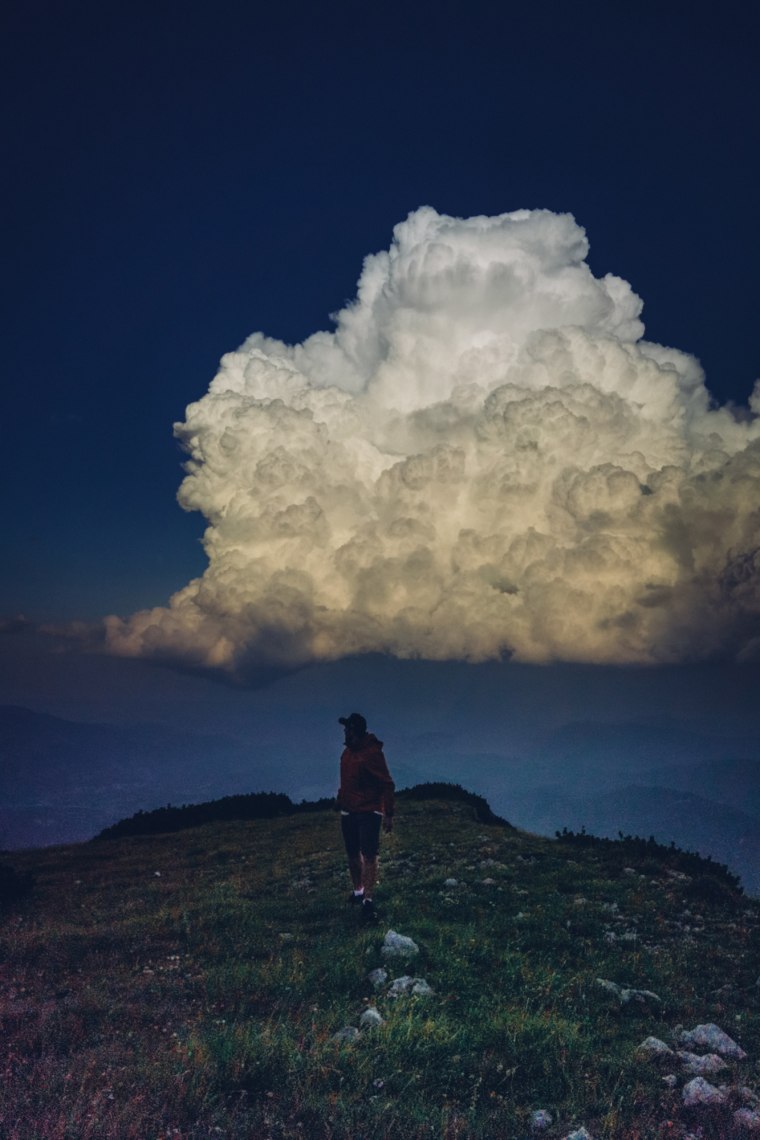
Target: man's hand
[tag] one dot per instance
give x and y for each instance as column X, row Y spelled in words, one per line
column 388, row 823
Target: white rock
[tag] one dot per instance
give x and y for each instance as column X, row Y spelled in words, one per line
column 654, row 1047
column 540, row 1120
column 707, row 1066
column 671, row 1080
column 710, row 1036
column 700, row 1091
column 747, row 1118
column 378, row 977
column 370, row 1019
column 398, row 946
column 406, row 985
column 612, row 988
column 451, row 883
column 579, row 1134
column 346, row 1035
column 639, row 997
column 627, row 996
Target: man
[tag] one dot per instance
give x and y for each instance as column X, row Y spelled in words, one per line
column 366, row 800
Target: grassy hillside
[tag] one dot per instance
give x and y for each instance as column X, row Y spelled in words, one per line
column 190, row 985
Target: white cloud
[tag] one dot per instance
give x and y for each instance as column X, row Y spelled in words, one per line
column 484, row 458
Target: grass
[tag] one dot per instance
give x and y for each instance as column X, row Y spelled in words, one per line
column 190, row 985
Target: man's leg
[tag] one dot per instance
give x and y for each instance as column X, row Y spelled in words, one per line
column 369, row 876
column 355, row 870
column 370, row 844
column 350, row 829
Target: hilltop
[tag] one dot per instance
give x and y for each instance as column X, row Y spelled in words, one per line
column 198, row 983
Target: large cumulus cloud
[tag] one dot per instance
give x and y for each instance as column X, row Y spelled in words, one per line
column 484, row 458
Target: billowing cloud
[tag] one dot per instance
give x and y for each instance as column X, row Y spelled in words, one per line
column 484, row 458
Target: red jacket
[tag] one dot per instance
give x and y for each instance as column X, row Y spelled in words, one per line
column 365, row 782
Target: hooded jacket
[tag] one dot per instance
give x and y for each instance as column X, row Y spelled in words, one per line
column 365, row 782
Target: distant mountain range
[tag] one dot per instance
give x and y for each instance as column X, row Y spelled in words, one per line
column 61, row 780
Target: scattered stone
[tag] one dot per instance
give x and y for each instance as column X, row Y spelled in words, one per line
column 378, row 977
column 540, row 1120
column 451, row 883
column 579, row 1134
column 627, row 996
column 707, row 1066
column 411, row 987
column 370, row 1019
column 748, row 1119
column 488, row 882
column 346, row 1035
column 710, row 1036
column 699, row 1092
column 399, row 946
column 655, row 1048
column 671, row 1080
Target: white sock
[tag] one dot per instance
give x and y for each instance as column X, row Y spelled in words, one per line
column 358, row 894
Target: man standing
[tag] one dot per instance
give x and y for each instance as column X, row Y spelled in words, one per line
column 366, row 800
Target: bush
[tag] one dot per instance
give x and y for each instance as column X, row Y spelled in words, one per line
column 268, row 805
column 643, row 852
column 445, row 791
column 257, row 805
column 13, row 885
column 710, row 889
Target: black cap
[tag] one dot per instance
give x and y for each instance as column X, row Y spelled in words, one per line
column 355, row 720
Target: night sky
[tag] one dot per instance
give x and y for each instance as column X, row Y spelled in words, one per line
column 179, row 177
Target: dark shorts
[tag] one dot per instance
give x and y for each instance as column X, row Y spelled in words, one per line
column 361, row 833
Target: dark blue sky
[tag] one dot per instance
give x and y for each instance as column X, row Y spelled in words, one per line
column 178, row 176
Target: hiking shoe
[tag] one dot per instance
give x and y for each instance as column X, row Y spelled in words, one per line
column 369, row 914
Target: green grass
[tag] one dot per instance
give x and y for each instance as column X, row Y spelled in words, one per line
column 189, row 985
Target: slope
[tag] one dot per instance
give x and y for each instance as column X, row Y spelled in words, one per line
column 192, row 985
